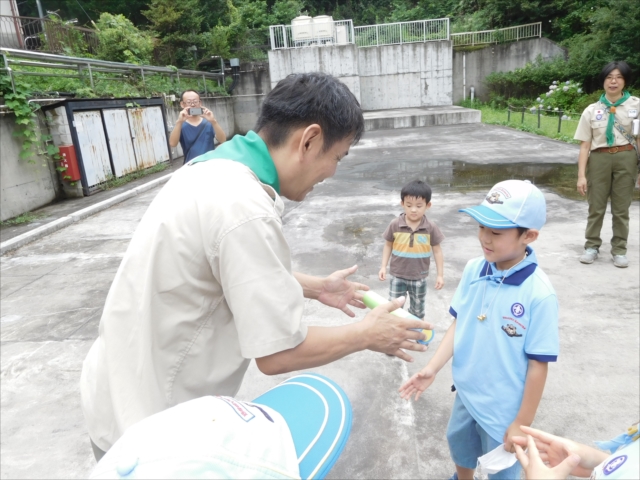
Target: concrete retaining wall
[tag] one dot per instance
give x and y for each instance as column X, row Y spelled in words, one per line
column 497, row 58
column 409, row 75
column 341, row 61
column 25, row 186
column 392, row 76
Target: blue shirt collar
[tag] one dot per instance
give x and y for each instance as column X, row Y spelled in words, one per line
column 516, row 276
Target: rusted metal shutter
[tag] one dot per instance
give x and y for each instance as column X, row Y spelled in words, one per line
column 93, row 145
column 122, row 153
column 148, row 133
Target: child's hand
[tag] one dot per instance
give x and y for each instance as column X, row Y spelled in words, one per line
column 439, row 282
column 382, row 274
column 417, row 384
column 512, row 431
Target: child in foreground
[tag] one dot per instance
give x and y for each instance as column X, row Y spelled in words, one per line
column 504, row 333
column 411, row 241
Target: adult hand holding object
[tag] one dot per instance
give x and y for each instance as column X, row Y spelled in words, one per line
column 379, row 331
column 562, row 455
column 535, row 468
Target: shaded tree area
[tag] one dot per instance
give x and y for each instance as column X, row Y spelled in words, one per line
column 187, row 33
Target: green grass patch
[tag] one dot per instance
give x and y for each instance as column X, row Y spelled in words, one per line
column 548, row 123
column 21, row 219
column 114, row 182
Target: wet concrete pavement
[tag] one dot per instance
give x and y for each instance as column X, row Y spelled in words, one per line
column 52, row 292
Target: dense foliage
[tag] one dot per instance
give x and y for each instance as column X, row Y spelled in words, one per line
column 189, row 32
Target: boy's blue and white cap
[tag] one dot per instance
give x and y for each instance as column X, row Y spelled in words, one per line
column 511, row 204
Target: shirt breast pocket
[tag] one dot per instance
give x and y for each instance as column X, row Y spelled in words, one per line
column 598, row 124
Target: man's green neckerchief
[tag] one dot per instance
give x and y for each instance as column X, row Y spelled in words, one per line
column 250, row 150
column 611, row 110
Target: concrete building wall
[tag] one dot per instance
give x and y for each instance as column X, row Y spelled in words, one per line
column 341, row 61
column 254, row 79
column 25, row 186
column 497, row 58
column 391, row 76
column 409, row 75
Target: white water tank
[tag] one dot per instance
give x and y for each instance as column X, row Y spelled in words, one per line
column 323, row 26
column 302, row 28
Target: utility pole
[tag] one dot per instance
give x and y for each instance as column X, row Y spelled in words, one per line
column 44, row 32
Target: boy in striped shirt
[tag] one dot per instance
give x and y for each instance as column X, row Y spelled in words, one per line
column 411, row 241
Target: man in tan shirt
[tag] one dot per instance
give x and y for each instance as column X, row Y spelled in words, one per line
column 206, row 283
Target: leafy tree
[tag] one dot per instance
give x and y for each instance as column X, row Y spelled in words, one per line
column 121, row 41
column 87, row 10
column 178, row 25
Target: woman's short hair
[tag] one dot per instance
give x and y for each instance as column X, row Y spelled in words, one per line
column 624, row 69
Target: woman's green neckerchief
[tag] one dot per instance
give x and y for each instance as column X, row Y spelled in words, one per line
column 611, row 110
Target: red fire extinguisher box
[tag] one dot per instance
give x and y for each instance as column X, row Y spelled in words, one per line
column 69, row 161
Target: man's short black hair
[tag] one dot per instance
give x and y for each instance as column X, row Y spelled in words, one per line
column 303, row 99
column 417, row 189
column 182, row 94
column 624, row 68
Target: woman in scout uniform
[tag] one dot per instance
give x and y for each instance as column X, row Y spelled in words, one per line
column 608, row 161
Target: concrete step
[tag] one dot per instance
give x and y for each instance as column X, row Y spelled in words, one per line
column 419, row 117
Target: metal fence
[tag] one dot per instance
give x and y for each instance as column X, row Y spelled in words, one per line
column 85, row 68
column 510, row 34
column 337, row 32
column 402, row 32
column 45, row 35
column 544, row 117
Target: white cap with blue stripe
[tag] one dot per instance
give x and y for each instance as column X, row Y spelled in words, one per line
column 511, row 204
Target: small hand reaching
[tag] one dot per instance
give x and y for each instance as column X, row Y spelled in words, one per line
column 417, row 384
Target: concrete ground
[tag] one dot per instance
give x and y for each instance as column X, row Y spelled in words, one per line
column 64, row 207
column 53, row 290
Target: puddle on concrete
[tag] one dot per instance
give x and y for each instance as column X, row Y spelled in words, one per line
column 457, row 175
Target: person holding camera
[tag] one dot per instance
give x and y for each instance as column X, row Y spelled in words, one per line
column 196, row 127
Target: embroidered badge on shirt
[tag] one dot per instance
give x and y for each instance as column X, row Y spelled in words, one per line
column 517, row 309
column 510, row 330
column 599, row 114
column 633, row 113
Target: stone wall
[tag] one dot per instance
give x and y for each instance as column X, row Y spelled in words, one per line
column 478, row 64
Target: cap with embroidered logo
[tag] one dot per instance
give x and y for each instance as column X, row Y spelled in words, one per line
column 511, row 204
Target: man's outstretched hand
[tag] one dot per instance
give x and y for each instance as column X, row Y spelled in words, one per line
column 338, row 292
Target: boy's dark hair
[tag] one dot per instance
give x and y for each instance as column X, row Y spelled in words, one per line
column 303, row 99
column 182, row 94
column 522, row 230
column 417, row 189
column 624, row 68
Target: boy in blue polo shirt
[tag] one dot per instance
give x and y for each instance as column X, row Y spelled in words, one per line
column 504, row 333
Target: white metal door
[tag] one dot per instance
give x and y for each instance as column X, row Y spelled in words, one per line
column 155, row 124
column 93, row 146
column 122, row 153
column 149, row 138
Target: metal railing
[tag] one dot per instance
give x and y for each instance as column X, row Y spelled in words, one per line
column 500, row 35
column 45, row 35
column 402, row 32
column 337, row 32
column 84, row 68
